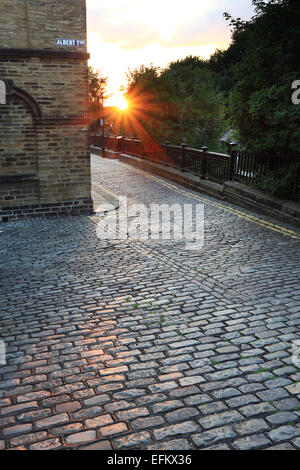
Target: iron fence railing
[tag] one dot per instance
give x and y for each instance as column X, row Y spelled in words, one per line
column 240, row 165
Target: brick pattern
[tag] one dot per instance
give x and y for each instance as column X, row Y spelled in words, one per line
column 52, row 149
column 59, row 85
column 18, row 145
column 16, row 193
column 75, row 207
column 36, row 24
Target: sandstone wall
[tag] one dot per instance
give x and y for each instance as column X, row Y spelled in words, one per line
column 44, row 151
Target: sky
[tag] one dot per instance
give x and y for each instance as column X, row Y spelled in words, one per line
column 125, row 34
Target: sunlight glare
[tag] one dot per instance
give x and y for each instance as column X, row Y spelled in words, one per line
column 121, row 103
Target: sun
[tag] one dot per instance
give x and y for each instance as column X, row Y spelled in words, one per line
column 122, row 104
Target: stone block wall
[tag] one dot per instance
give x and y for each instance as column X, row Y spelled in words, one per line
column 44, row 151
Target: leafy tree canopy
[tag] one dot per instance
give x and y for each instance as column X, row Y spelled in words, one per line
column 246, row 88
column 177, row 103
column 97, row 86
column 256, row 74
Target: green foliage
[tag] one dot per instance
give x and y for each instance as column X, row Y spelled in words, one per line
column 284, row 183
column 96, row 80
column 195, row 109
column 96, row 87
column 267, row 120
column 178, row 103
column 246, row 88
column 142, row 79
column 255, row 74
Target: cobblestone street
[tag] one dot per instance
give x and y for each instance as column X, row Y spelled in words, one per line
column 145, row 345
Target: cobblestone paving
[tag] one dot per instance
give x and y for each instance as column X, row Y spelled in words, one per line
column 136, row 345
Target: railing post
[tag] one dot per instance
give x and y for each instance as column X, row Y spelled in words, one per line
column 123, row 144
column 183, row 147
column 231, row 145
column 166, row 153
column 119, row 141
column 204, row 165
column 140, row 147
column 152, row 152
column 103, row 153
column 297, row 179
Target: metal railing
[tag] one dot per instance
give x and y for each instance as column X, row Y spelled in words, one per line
column 240, row 165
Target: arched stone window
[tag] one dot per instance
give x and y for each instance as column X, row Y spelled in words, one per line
column 2, row 92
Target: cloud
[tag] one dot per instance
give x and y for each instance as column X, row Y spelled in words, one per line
column 202, row 30
column 128, row 34
column 171, row 23
column 134, row 24
column 124, row 34
column 209, row 27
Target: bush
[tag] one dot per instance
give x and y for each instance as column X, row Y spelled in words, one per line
column 284, row 183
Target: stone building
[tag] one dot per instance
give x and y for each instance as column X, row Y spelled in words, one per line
column 44, row 152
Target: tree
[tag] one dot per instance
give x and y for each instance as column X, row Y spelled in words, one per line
column 176, row 103
column 260, row 106
column 144, row 95
column 195, row 109
column 97, row 88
